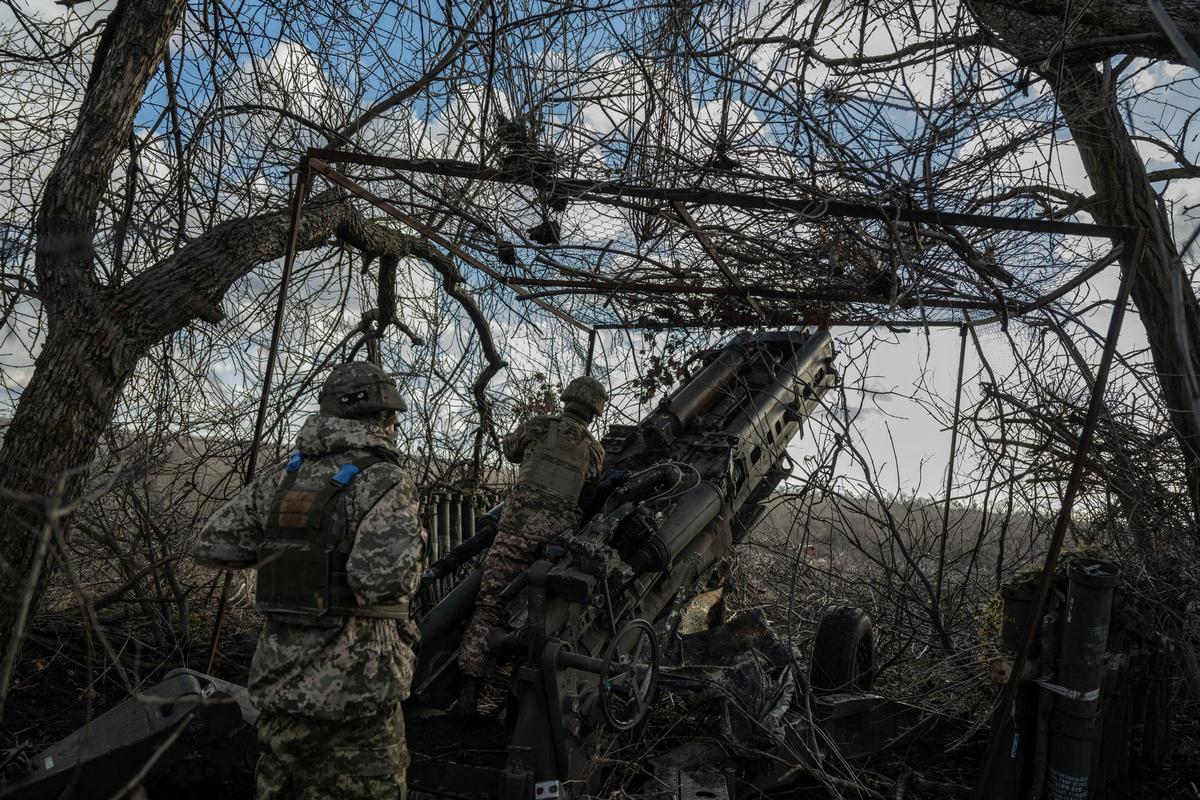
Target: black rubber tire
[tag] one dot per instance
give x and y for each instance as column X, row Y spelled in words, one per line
column 843, row 657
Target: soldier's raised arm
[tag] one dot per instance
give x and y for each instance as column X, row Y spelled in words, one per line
column 595, row 462
column 514, row 443
column 230, row 538
column 390, row 543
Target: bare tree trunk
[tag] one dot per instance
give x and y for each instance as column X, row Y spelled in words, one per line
column 1124, row 195
column 96, row 333
column 84, row 362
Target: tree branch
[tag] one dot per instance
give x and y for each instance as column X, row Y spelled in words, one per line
column 66, row 220
column 348, row 132
column 1098, row 29
column 191, row 283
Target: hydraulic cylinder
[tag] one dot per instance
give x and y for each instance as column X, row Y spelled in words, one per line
column 697, row 395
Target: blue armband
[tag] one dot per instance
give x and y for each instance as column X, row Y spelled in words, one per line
column 294, row 462
column 345, row 474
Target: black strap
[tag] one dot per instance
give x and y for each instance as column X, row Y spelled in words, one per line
column 321, row 516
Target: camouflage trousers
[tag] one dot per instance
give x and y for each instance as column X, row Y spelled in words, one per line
column 529, row 521
column 301, row 758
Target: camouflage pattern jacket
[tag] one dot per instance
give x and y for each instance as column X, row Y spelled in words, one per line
column 365, row 665
column 524, row 442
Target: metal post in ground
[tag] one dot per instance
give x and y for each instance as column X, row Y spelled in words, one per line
column 941, row 565
column 289, row 262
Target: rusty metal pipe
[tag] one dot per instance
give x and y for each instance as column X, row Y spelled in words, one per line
column 285, row 280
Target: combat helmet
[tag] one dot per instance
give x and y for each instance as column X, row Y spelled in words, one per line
column 359, row 389
column 586, row 391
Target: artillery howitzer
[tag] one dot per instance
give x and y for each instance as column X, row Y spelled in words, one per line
column 595, row 628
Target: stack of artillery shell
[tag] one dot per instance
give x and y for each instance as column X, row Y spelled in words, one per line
column 449, row 517
column 1093, row 707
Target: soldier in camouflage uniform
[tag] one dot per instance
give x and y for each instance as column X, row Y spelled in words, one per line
column 558, row 457
column 337, row 544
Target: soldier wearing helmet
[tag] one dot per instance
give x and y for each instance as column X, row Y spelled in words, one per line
column 337, row 544
column 558, row 457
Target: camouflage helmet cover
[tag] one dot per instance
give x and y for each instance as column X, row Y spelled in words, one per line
column 588, row 391
column 359, row 389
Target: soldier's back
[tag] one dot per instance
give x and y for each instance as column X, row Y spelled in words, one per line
column 346, row 665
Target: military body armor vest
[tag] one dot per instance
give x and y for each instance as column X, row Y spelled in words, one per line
column 556, row 465
column 307, row 542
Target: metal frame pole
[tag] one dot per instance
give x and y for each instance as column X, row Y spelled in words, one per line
column 289, row 261
column 941, row 567
column 819, row 205
column 1078, row 468
column 429, row 233
column 587, row 369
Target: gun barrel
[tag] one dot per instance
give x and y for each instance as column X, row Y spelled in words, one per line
column 801, row 380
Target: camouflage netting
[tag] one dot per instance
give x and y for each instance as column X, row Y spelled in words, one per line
column 708, row 244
